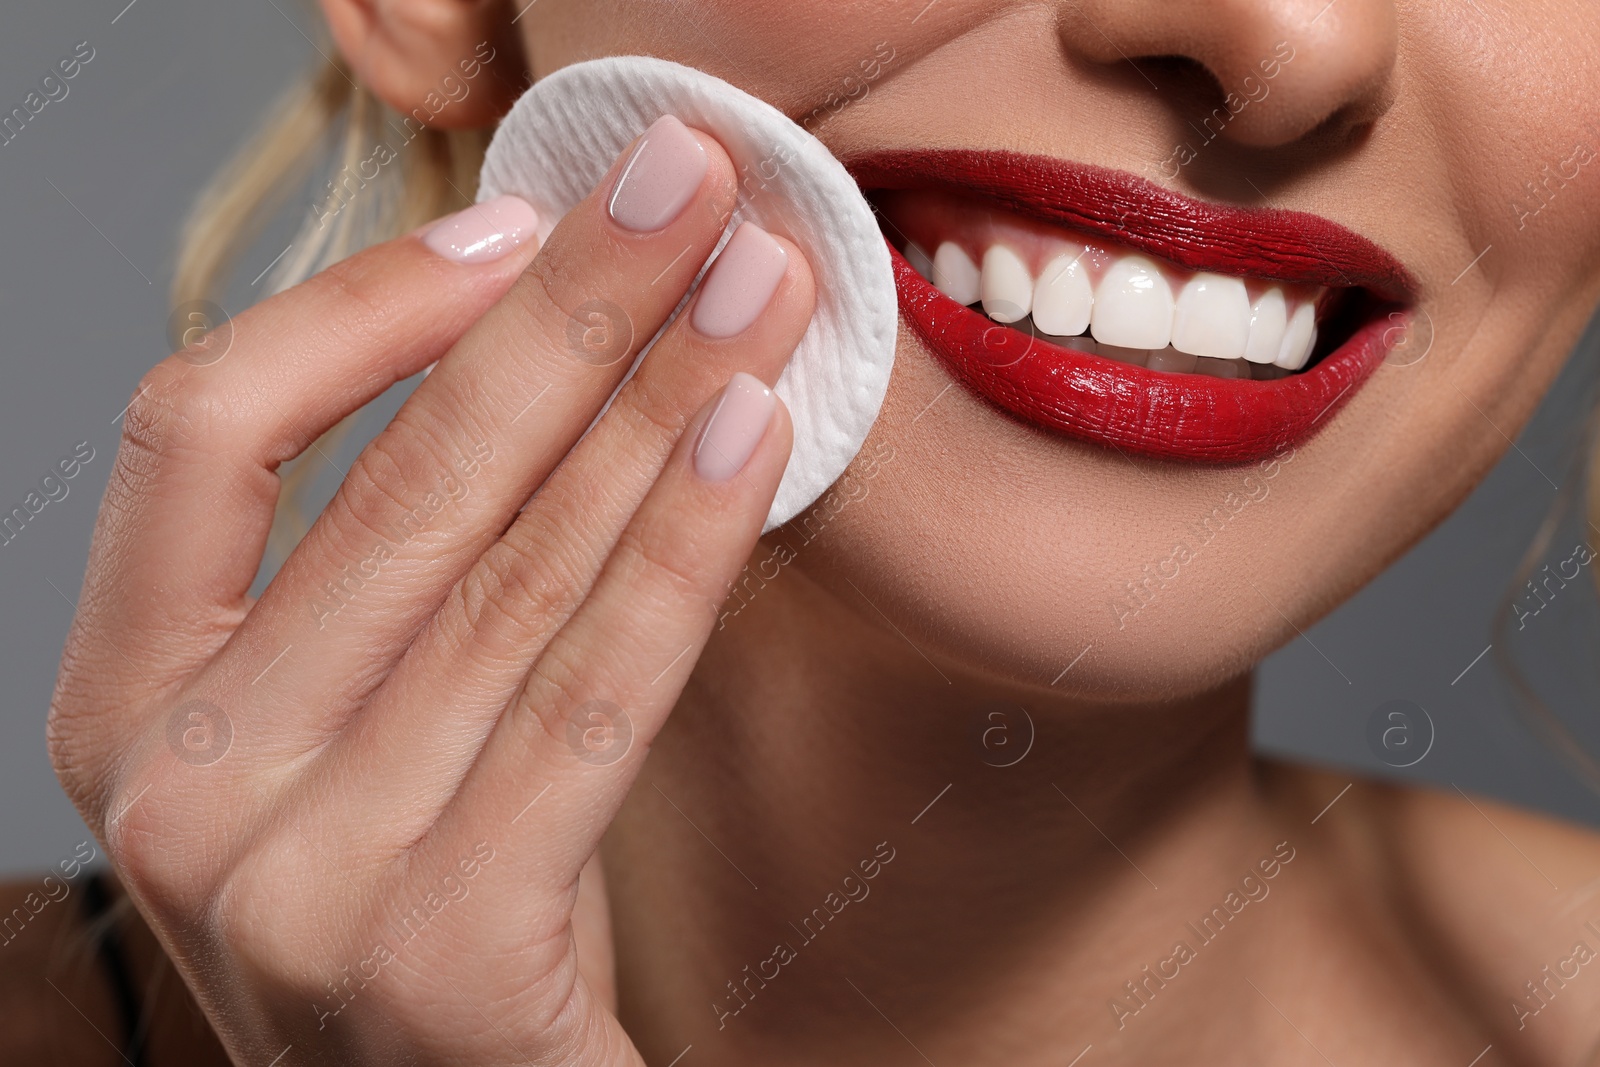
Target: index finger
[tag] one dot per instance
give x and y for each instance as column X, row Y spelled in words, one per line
column 193, row 489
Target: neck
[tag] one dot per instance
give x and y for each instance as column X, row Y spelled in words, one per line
column 835, row 827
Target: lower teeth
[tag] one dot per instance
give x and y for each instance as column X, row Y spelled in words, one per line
column 1167, row 360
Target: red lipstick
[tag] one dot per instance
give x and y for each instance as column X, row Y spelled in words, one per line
column 1173, row 416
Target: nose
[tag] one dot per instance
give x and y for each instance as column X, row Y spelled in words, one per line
column 1283, row 67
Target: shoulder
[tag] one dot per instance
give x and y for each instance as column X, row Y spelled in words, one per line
column 1501, row 903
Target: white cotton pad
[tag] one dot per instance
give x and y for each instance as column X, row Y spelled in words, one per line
column 564, row 133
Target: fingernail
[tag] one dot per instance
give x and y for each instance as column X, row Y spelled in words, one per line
column 483, row 232
column 740, row 283
column 660, row 178
column 734, row 428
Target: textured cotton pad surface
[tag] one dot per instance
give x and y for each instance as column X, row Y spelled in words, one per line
column 563, row 134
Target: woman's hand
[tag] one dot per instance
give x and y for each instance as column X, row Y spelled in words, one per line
column 355, row 810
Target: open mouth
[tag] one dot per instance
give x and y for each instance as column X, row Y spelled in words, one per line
column 1099, row 305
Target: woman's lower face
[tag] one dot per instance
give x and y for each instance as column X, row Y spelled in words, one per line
column 1167, row 509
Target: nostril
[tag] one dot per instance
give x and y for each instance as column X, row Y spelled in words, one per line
column 1262, row 73
column 1182, row 77
column 1269, row 102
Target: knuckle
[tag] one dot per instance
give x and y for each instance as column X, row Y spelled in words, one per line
column 75, row 755
column 651, row 412
column 665, row 561
column 172, row 413
column 67, row 758
column 155, row 840
column 398, row 472
column 511, row 593
column 262, row 906
column 556, row 684
column 524, row 587
column 548, row 295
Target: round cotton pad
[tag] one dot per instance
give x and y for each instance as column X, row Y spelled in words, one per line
column 562, row 135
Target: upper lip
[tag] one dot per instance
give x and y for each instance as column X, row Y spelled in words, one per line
column 1260, row 242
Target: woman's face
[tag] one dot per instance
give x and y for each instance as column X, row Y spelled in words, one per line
column 1448, row 133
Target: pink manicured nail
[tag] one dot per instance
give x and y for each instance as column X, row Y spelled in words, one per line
column 741, row 282
column 660, row 178
column 483, row 231
column 736, row 426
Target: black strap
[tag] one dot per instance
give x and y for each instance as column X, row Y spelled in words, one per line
column 97, row 903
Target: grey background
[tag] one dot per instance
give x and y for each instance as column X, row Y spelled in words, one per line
column 95, row 188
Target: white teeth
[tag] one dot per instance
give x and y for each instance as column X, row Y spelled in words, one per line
column 1268, row 320
column 919, row 259
column 954, row 273
column 1006, row 286
column 1298, row 338
column 1131, row 316
column 1212, row 317
column 1133, row 306
column 1064, row 296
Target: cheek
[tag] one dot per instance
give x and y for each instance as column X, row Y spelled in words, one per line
column 791, row 53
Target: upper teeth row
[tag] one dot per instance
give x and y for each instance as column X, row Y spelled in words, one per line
column 1132, row 306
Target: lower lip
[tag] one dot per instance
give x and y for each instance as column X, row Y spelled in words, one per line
column 1192, row 417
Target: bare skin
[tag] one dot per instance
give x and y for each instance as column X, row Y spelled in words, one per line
column 1401, row 931
column 1422, row 920
column 991, row 914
